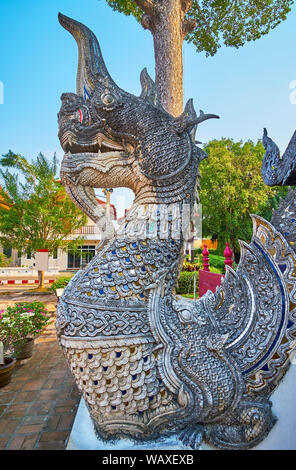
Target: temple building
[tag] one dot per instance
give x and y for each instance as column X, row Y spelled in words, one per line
column 61, row 259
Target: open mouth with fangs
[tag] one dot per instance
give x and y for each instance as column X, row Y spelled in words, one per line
column 89, row 162
column 98, row 144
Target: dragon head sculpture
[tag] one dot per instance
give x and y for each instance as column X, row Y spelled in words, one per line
column 129, row 141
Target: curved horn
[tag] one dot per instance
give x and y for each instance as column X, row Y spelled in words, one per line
column 91, row 66
column 189, row 120
column 149, row 90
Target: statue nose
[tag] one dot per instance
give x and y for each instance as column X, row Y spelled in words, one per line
column 65, row 96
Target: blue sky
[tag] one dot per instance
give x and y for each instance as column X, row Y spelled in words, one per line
column 247, row 87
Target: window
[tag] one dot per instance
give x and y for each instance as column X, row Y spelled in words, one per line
column 81, row 256
column 55, row 254
column 7, row 252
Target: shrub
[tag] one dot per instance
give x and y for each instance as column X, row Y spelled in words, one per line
column 23, row 320
column 60, row 283
column 217, row 262
column 192, row 266
column 198, row 251
column 186, row 283
column 4, row 262
column 189, row 267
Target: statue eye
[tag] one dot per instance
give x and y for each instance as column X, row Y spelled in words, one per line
column 108, row 99
column 186, row 315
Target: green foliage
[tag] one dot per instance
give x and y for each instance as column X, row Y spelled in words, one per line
column 273, row 201
column 128, row 7
column 232, row 189
column 40, row 214
column 4, row 262
column 217, row 262
column 228, row 22
column 189, row 266
column 60, row 283
column 23, row 320
column 198, row 251
column 217, row 270
column 185, row 283
column 234, row 22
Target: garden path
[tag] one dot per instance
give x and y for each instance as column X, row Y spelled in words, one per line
column 38, row 406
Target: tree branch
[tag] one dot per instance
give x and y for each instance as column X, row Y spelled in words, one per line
column 188, row 25
column 148, row 6
column 146, row 22
column 186, row 5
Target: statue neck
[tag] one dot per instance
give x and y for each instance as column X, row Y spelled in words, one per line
column 156, row 221
column 168, row 191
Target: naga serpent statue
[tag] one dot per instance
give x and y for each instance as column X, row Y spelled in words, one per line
column 148, row 362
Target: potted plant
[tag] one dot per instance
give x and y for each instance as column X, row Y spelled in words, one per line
column 7, row 361
column 6, row 367
column 59, row 284
column 20, row 325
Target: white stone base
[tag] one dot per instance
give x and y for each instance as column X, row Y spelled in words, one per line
column 281, row 437
column 83, row 437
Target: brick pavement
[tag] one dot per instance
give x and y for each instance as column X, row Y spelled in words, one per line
column 38, row 406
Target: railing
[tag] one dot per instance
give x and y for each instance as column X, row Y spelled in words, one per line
column 87, row 230
column 208, row 280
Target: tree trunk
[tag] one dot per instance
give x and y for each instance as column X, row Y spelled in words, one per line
column 166, row 21
column 168, row 44
column 41, row 279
